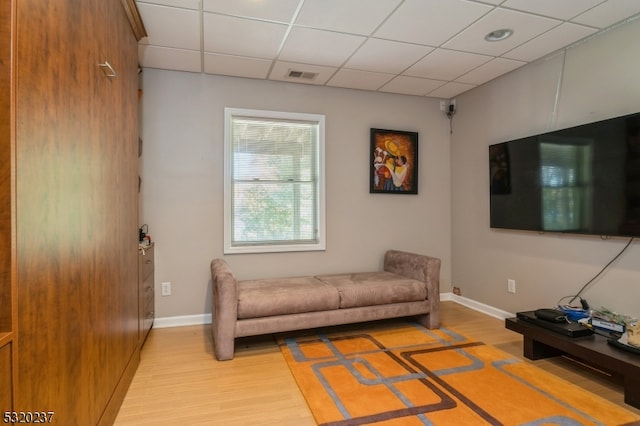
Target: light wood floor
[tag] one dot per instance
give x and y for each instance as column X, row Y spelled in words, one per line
column 179, row 382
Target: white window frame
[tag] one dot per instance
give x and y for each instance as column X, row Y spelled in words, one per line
column 320, row 244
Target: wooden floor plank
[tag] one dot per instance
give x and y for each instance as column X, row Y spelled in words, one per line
column 179, row 380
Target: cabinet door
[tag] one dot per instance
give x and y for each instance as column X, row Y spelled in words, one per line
column 6, row 299
column 6, row 384
column 7, row 280
column 76, row 150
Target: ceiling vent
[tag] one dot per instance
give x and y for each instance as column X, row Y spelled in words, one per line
column 304, row 75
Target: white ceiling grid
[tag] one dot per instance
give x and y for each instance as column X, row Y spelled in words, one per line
column 432, row 48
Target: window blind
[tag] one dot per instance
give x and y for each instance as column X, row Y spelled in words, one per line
column 274, row 176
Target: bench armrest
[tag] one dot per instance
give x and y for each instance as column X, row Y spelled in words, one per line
column 421, row 268
column 224, row 309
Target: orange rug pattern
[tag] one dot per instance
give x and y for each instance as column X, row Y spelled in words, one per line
column 404, row 374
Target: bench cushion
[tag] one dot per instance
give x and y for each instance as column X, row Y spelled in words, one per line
column 375, row 288
column 278, row 296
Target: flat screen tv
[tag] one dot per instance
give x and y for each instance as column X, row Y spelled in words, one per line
column 579, row 180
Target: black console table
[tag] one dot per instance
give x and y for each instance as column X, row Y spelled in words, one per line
column 593, row 350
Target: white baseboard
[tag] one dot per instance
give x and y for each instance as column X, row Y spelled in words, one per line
column 446, row 297
column 181, row 321
column 481, row 307
column 201, row 319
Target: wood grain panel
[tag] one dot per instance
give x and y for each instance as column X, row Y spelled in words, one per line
column 77, row 207
column 6, row 301
column 6, row 384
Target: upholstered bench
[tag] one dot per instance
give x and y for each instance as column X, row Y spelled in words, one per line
column 408, row 286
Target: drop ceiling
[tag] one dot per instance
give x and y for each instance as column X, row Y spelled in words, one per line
column 432, row 48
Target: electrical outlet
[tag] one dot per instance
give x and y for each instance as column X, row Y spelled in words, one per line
column 443, row 106
column 511, row 285
column 166, row 288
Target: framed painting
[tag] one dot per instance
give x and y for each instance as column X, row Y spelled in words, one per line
column 394, row 162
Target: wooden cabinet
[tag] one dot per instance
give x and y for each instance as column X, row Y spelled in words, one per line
column 69, row 299
column 146, row 282
column 7, row 279
column 6, row 384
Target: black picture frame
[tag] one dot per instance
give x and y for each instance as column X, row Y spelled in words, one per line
column 393, row 160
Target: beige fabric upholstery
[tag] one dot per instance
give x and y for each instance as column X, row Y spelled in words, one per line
column 408, row 286
column 374, row 288
column 278, row 296
column 224, row 310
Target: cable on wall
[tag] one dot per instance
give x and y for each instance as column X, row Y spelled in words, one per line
column 584, row 287
column 556, row 102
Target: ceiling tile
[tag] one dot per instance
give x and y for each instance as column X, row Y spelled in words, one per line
column 417, row 47
column 319, row 47
column 185, row 4
column 565, row 9
column 168, row 58
column 236, row 66
column 353, row 16
column 270, row 10
column 281, row 70
column 170, row 26
column 249, row 37
column 430, row 22
column 554, row 39
column 524, row 27
column 609, row 13
column 354, row 79
column 386, row 56
column 443, row 64
column 450, row 90
column 411, row 85
column 489, row 71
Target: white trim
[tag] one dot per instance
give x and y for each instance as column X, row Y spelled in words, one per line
column 481, row 307
column 203, row 319
column 182, row 320
column 319, row 119
column 446, row 297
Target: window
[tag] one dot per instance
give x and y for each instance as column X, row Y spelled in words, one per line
column 274, row 181
column 566, row 187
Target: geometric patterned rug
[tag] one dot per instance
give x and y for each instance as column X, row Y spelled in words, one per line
column 405, row 374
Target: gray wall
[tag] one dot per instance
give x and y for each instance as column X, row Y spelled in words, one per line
column 182, row 180
column 182, row 193
column 595, row 80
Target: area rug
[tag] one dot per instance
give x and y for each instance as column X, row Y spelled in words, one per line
column 405, row 374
